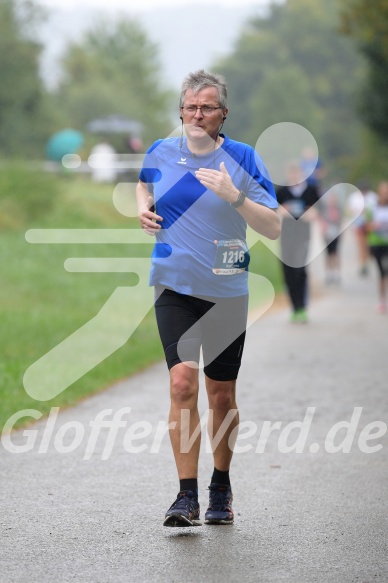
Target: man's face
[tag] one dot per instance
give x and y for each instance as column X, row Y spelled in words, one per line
column 196, row 123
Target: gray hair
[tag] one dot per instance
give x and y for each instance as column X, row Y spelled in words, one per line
column 201, row 79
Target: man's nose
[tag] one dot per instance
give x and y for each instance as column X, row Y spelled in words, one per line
column 198, row 113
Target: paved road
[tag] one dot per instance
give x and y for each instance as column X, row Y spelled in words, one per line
column 319, row 515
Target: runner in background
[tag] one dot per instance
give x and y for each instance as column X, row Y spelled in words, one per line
column 377, row 236
column 294, row 200
column 356, row 209
column 330, row 218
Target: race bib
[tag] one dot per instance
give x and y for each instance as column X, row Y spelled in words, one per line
column 231, row 257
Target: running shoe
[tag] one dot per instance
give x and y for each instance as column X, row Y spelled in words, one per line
column 301, row 316
column 184, row 511
column 220, row 505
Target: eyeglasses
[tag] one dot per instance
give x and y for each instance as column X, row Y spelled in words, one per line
column 206, row 110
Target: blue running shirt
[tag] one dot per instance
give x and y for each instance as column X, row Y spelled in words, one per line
column 194, row 217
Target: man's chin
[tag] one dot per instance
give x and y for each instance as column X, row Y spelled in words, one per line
column 195, row 131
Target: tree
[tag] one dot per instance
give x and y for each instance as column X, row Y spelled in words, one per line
column 367, row 23
column 22, row 95
column 115, row 70
column 291, row 64
column 275, row 104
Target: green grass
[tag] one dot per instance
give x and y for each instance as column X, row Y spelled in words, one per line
column 41, row 303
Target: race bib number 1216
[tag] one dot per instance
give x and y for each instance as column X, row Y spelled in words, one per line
column 231, row 257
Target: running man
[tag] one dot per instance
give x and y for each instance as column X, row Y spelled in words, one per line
column 196, row 194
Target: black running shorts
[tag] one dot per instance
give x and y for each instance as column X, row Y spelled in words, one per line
column 380, row 253
column 187, row 323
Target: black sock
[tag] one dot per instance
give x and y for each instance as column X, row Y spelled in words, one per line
column 220, row 477
column 189, row 484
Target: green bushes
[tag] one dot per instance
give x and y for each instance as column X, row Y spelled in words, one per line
column 26, row 195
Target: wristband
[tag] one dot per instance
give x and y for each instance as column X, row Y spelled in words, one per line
column 241, row 197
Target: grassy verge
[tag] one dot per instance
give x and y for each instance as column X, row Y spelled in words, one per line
column 41, row 303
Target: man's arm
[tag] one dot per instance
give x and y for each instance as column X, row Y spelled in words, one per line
column 260, row 218
column 146, row 216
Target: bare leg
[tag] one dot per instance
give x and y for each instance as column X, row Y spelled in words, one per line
column 383, row 288
column 363, row 249
column 184, row 395
column 222, row 400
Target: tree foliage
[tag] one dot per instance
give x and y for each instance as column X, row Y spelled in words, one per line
column 292, row 64
column 367, row 23
column 114, row 70
column 22, row 96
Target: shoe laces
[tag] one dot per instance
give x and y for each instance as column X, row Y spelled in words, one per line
column 183, row 500
column 220, row 497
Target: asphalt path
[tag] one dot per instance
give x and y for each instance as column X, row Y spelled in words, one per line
column 310, row 499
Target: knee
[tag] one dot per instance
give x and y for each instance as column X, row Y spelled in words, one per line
column 222, row 396
column 183, row 388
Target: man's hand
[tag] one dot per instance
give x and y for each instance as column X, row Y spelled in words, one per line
column 147, row 217
column 219, row 181
column 261, row 219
